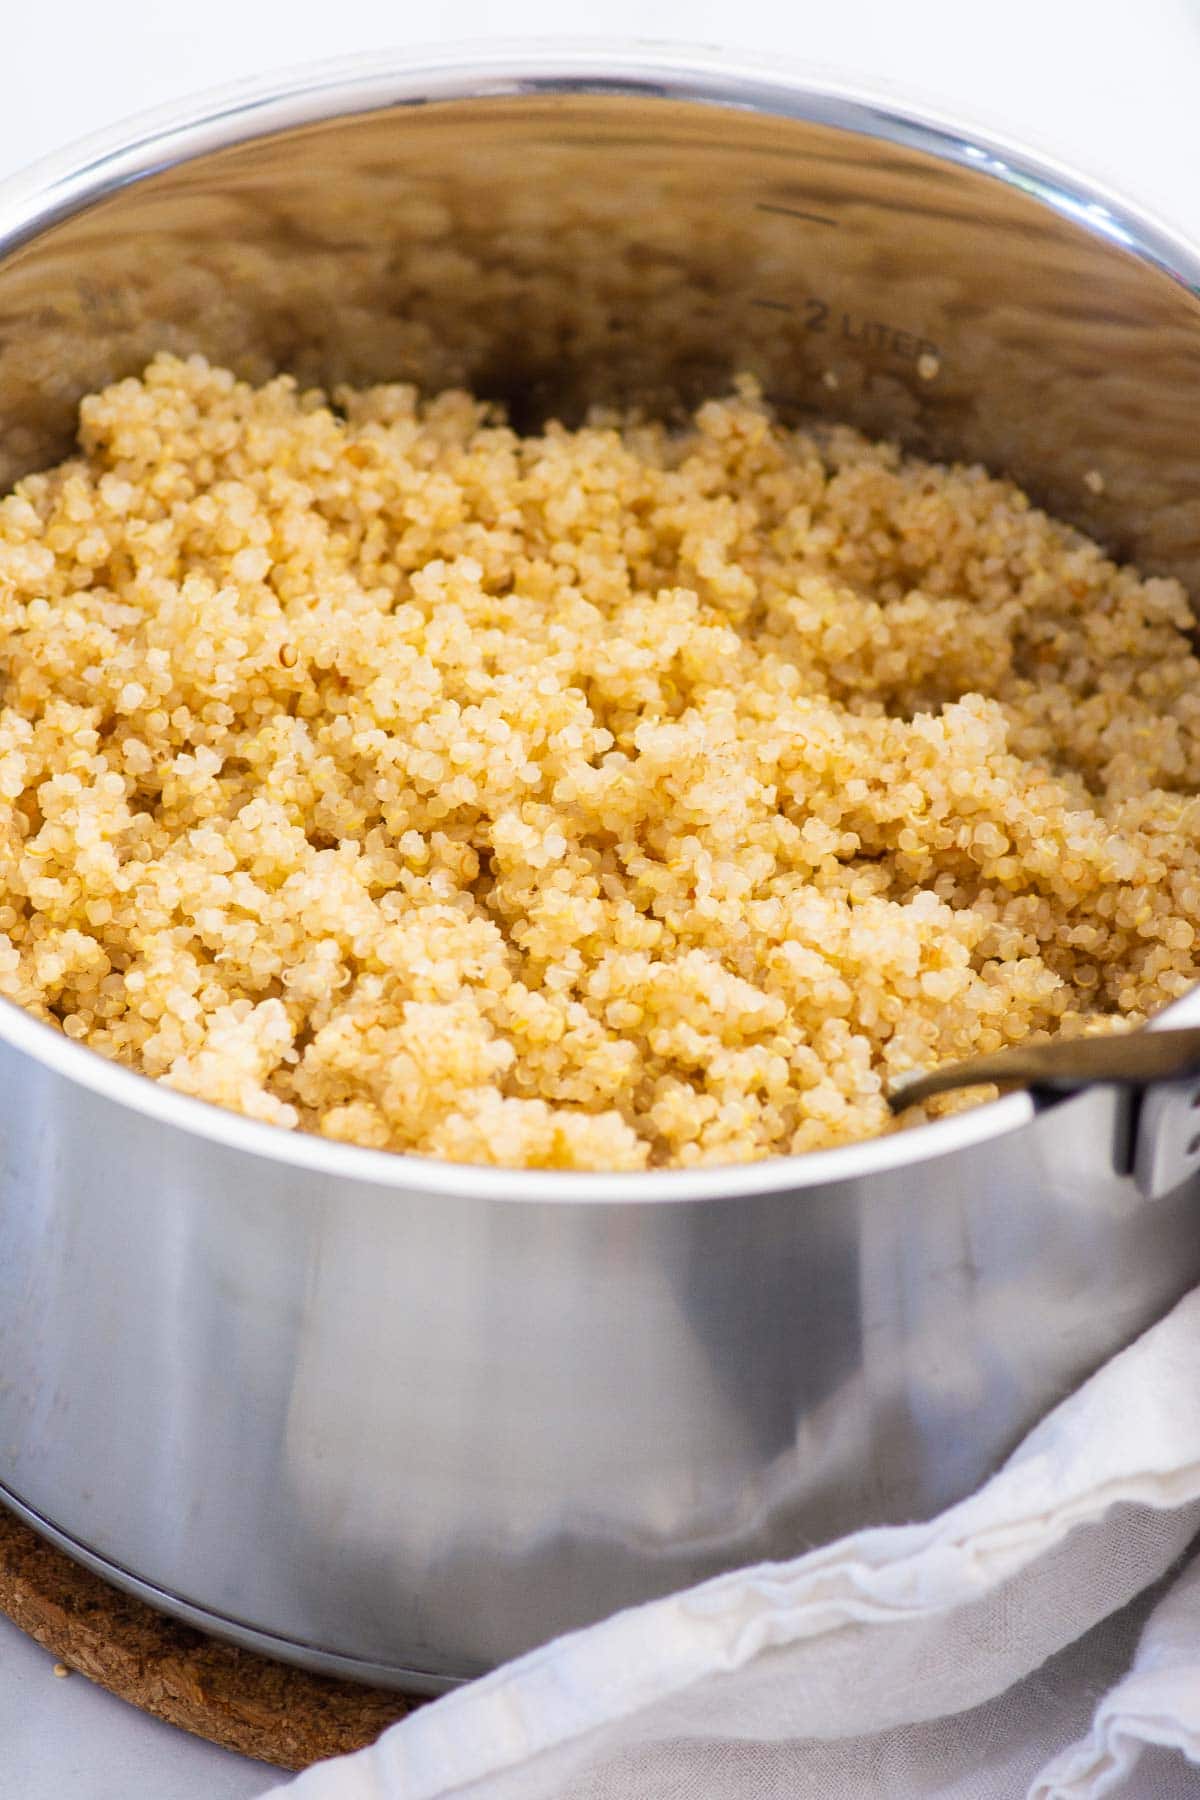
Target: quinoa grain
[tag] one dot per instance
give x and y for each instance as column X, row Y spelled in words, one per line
column 605, row 798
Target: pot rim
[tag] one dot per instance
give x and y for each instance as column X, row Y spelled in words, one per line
column 88, row 171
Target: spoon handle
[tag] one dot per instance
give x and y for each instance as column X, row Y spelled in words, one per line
column 1132, row 1059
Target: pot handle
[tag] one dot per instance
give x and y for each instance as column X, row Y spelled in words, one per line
column 1161, row 1068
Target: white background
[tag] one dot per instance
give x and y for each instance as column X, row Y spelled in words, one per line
column 1112, row 85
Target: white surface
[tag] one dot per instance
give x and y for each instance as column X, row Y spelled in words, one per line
column 68, row 1740
column 1109, row 84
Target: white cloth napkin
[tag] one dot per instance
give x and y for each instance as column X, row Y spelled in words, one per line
column 954, row 1658
column 1157, row 1703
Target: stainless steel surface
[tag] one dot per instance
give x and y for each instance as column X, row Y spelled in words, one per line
column 1062, row 1066
column 424, row 1428
column 420, row 1416
column 1165, row 1144
column 371, row 1674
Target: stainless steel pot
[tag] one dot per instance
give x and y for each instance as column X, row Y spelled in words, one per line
column 404, row 1419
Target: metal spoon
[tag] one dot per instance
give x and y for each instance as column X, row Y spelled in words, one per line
column 1133, row 1059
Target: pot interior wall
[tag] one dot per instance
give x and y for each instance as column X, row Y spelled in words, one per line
column 563, row 249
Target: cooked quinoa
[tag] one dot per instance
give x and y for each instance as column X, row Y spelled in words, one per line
column 606, row 798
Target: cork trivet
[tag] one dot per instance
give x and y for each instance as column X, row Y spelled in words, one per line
column 233, row 1697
